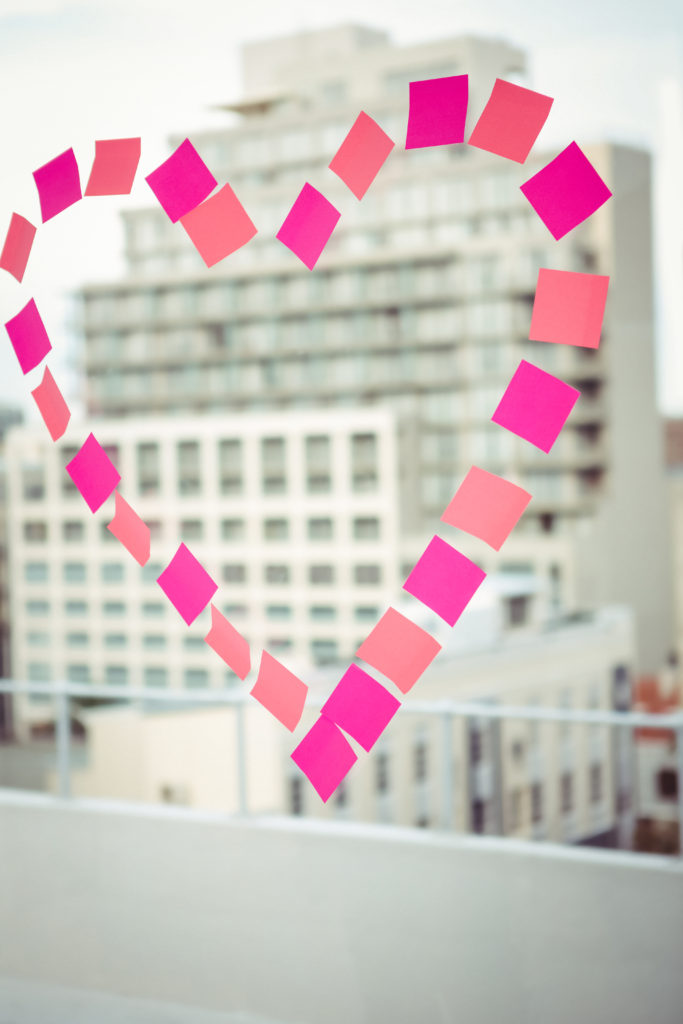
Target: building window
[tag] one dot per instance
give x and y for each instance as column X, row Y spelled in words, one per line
column 115, row 640
column 33, row 483
column 75, row 608
column 196, row 678
column 318, row 473
column 367, row 575
column 517, row 610
column 320, row 529
column 35, row 532
column 667, row 784
column 421, row 760
column 478, row 815
column 366, row 528
column 324, row 652
column 234, row 572
column 278, row 612
column 595, row 783
column 36, row 572
column 38, row 638
column 114, row 609
column 154, row 641
column 364, row 462
column 536, row 802
column 230, row 466
column 116, row 675
column 276, row 574
column 192, row 529
column 382, row 772
column 112, row 572
column 366, row 613
column 273, row 465
column 148, row 467
column 36, row 609
column 232, row 529
column 476, row 746
column 515, row 809
column 276, row 529
column 322, row 613
column 321, row 574
column 73, row 531
column 296, row 795
column 153, row 609
column 189, row 479
column 566, row 792
column 151, row 572
column 155, row 676
column 74, row 572
column 78, row 673
column 77, row 639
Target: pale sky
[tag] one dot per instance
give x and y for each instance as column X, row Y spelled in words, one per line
column 74, row 72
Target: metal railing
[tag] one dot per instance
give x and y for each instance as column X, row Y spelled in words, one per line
column 446, row 710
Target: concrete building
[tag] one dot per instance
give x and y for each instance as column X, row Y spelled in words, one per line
column 420, row 303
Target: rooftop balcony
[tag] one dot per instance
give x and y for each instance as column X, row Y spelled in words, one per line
column 112, row 912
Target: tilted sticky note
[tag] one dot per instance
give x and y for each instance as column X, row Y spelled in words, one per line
column 114, row 167
column 511, row 121
column 280, row 691
column 487, row 506
column 218, row 226
column 308, row 225
column 187, row 584
column 535, row 405
column 229, row 644
column 399, row 649
column 132, row 531
column 51, row 405
column 444, row 580
column 566, row 191
column 569, row 307
column 28, row 336
column 17, row 247
column 93, row 473
column 58, row 183
column 361, row 706
column 182, row 181
column 437, row 111
column 325, row 757
column 361, row 154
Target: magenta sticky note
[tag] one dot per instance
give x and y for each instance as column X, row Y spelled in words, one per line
column 51, row 405
column 437, row 111
column 93, row 473
column 28, row 336
column 58, row 183
column 569, row 307
column 280, row 691
column 361, row 706
column 566, row 191
column 17, row 247
column 308, row 225
column 187, row 584
column 535, row 405
column 487, row 506
column 361, row 155
column 114, row 167
column 182, row 182
column 131, row 530
column 444, row 580
column 325, row 757
column 399, row 648
column 511, row 121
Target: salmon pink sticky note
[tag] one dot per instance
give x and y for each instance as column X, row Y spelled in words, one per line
column 399, row 649
column 361, row 154
column 229, row 644
column 280, row 691
column 28, row 336
column 308, row 225
column 187, row 584
column 444, row 579
column 51, row 405
column 487, row 506
column 437, row 110
column 58, row 184
column 511, row 121
column 569, row 307
column 566, row 191
column 93, row 473
column 17, row 247
column 114, row 167
column 218, row 226
column 361, row 706
column 535, row 405
column 182, row 182
column 325, row 757
column 132, row 531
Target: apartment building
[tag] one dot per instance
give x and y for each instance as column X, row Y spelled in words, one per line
column 420, row 304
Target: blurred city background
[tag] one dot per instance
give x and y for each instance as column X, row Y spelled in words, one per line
column 303, row 432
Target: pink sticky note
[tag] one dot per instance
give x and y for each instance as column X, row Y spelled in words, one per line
column 361, row 706
column 566, row 191
column 93, row 473
column 511, row 121
column 535, row 405
column 487, row 506
column 51, row 405
column 58, row 184
column 361, row 154
column 28, row 336
column 187, row 584
column 218, row 226
column 569, row 307
column 17, row 247
column 399, row 649
column 182, row 182
column 114, row 167
column 279, row 691
column 437, row 110
column 308, row 225
column 444, row 579
column 131, row 530
column 325, row 757
column 229, row 644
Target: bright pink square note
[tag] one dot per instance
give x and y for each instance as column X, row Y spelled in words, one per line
column 28, row 336
column 566, row 191
column 511, row 121
column 17, row 247
column 51, row 405
column 569, row 307
column 308, row 225
column 361, row 706
column 361, row 154
column 280, row 691
column 487, row 506
column 218, row 226
column 437, row 110
column 325, row 757
column 399, row 649
column 182, row 182
column 187, row 584
column 58, row 183
column 93, row 473
column 114, row 167
column 535, row 405
column 444, row 579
